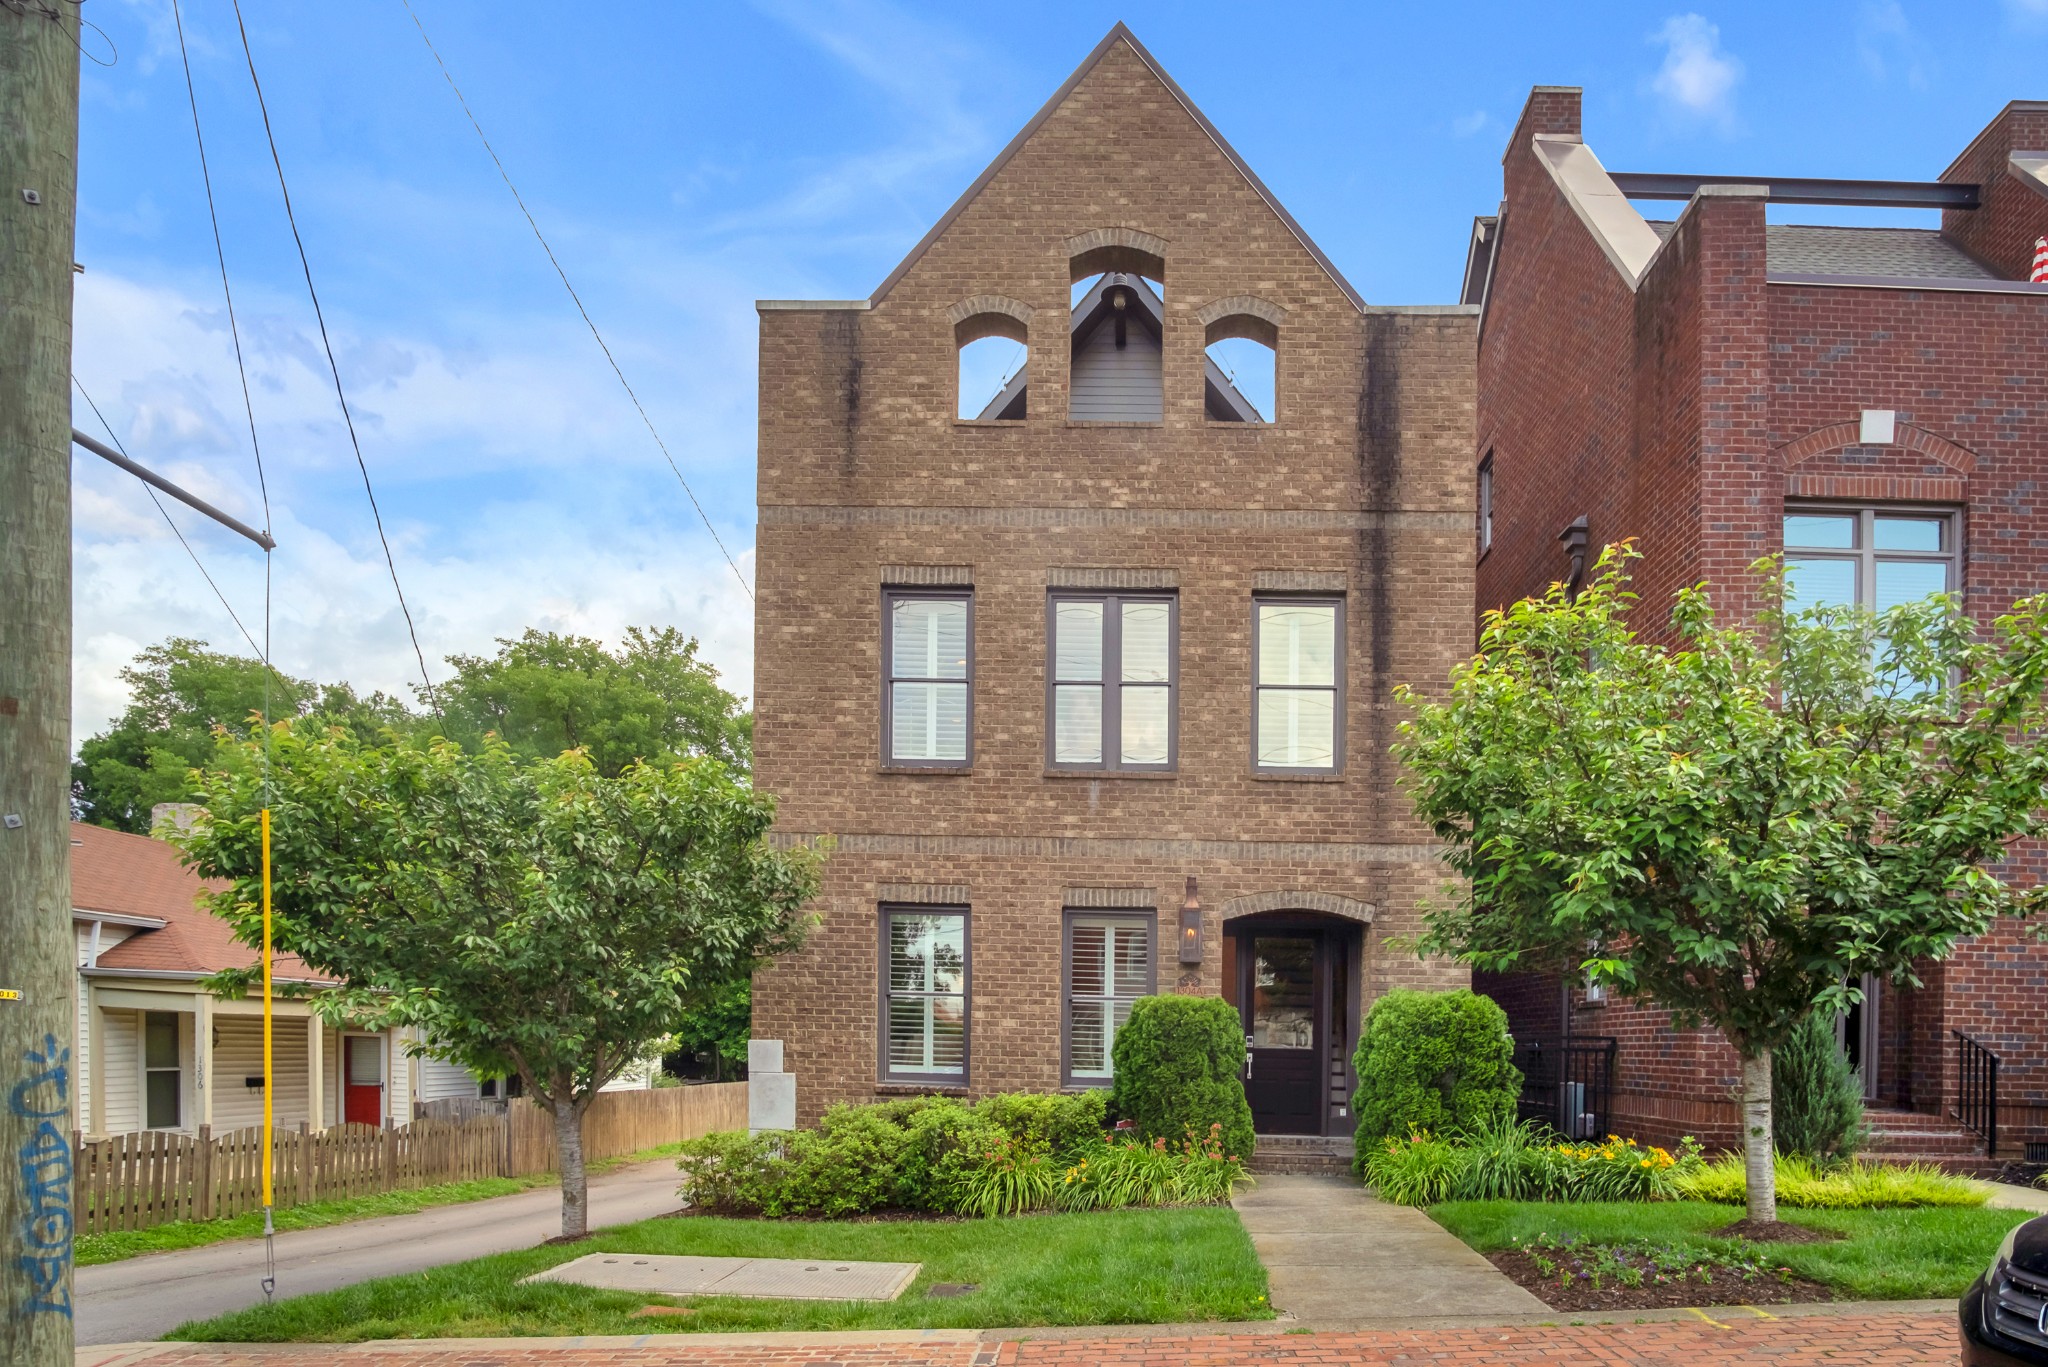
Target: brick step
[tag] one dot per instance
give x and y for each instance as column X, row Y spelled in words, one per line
column 1306, row 1153
column 1909, row 1120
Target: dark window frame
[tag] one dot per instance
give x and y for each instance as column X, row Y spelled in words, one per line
column 891, row 596
column 1865, row 553
column 1338, row 686
column 1149, row 919
column 883, row 1071
column 176, row 1069
column 1112, row 654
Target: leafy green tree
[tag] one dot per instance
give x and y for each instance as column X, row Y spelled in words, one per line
column 179, row 692
column 651, row 699
column 535, row 918
column 716, row 1024
column 1742, row 823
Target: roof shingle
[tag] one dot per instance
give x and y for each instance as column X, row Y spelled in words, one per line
column 135, row 875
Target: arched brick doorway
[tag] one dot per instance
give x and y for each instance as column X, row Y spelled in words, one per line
column 1293, row 967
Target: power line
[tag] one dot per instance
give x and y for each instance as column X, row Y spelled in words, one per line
column 348, row 419
column 577, row 299
column 220, row 255
column 198, row 564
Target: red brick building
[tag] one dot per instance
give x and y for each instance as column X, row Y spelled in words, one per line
column 1873, row 402
column 1087, row 676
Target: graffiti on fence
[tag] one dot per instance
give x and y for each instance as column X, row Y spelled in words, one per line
column 44, row 1161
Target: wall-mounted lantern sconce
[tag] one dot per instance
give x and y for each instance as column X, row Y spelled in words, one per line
column 1191, row 927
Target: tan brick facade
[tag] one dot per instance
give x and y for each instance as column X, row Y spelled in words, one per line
column 1361, row 486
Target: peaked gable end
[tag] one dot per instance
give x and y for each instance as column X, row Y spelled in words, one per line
column 1120, row 41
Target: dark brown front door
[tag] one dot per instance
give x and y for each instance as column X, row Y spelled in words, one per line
column 1280, row 994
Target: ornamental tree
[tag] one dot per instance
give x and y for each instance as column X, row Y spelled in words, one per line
column 534, row 917
column 1734, row 826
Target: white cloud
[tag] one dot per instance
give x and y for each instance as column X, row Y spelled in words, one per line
column 1469, row 125
column 517, row 485
column 1888, row 46
column 1698, row 77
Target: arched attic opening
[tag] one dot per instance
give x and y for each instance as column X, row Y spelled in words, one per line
column 1241, row 359
column 1116, row 327
column 991, row 339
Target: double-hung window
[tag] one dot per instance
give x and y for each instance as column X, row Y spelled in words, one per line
column 928, row 688
column 1109, row 965
column 1111, row 681
column 924, row 994
column 1298, row 684
column 163, row 1081
column 1877, row 558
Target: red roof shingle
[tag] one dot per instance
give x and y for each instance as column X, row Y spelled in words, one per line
column 135, row 875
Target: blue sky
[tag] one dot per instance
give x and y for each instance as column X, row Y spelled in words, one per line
column 688, row 159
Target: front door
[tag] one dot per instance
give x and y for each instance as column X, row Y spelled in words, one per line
column 1280, row 992
column 362, row 1080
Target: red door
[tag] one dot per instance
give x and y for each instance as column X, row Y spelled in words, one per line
column 362, row 1093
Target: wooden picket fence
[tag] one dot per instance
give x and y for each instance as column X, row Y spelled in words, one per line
column 135, row 1181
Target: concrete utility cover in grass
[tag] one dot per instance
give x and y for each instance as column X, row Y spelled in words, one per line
column 796, row 1279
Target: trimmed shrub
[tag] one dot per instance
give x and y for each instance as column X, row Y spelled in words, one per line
column 1816, row 1097
column 1066, row 1124
column 1179, row 1062
column 1432, row 1062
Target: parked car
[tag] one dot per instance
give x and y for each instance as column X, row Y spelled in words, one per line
column 2005, row 1312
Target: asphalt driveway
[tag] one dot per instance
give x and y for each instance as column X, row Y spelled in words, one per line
column 142, row 1298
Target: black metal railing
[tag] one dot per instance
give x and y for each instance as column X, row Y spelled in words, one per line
column 1567, row 1085
column 1977, row 1090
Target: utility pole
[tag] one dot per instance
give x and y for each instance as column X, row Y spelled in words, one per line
column 38, row 1016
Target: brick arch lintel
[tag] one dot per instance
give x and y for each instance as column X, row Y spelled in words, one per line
column 1097, row 238
column 1906, row 436
column 1327, row 902
column 989, row 303
column 1250, row 305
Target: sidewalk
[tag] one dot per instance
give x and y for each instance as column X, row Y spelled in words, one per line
column 140, row 1298
column 1787, row 1336
column 1339, row 1258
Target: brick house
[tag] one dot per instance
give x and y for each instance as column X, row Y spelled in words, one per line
column 1872, row 402
column 1090, row 687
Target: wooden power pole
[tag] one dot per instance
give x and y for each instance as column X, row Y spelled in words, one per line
column 38, row 1015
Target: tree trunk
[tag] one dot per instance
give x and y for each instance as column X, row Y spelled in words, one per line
column 1759, row 1168
column 569, row 1155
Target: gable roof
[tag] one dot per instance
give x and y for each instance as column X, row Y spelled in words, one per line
column 1120, row 33
column 138, row 876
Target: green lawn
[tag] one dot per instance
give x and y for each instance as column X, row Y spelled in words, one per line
column 1113, row 1267
column 1888, row 1254
column 113, row 1247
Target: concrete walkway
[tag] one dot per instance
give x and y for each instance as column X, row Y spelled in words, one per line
column 141, row 1298
column 2006, row 1196
column 1338, row 1258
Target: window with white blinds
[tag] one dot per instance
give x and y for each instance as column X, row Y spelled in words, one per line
column 928, row 651
column 1111, row 682
column 924, row 995
column 1109, row 966
column 1298, row 684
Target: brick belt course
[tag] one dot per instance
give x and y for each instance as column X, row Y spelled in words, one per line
column 1874, row 1340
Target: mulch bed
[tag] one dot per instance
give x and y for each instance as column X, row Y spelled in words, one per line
column 1725, row 1286
column 1775, row 1232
